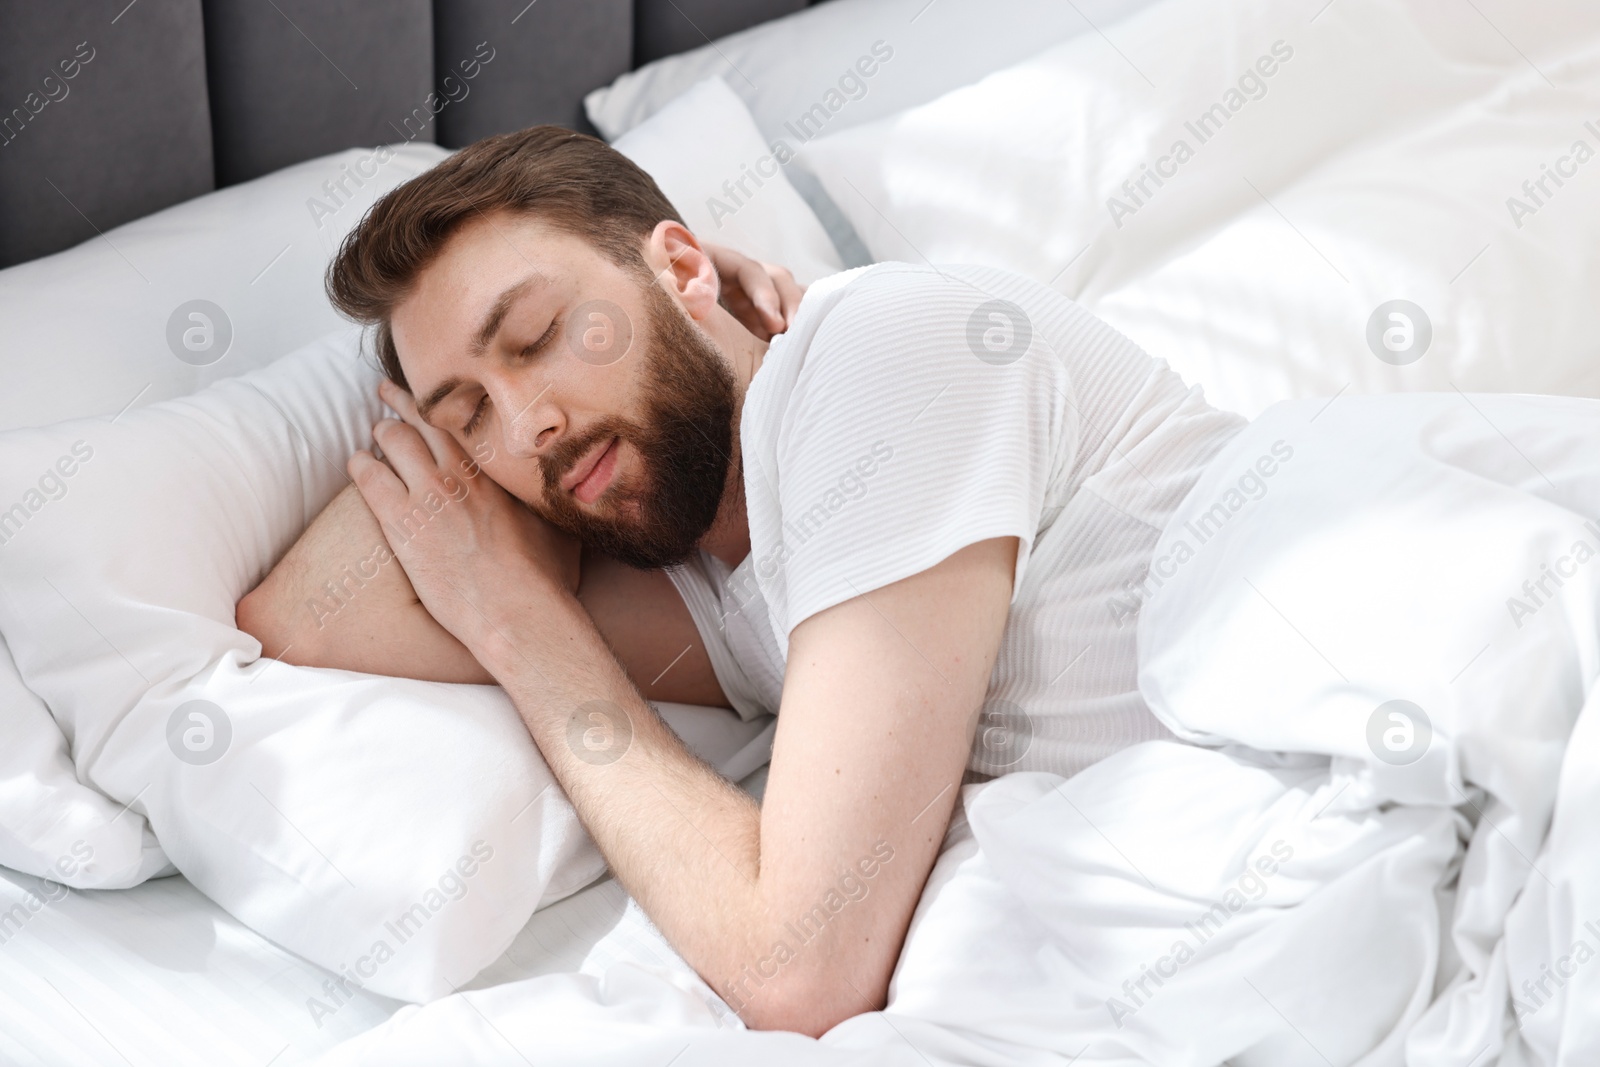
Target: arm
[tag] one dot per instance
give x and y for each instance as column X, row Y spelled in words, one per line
column 339, row 599
column 794, row 911
column 323, row 605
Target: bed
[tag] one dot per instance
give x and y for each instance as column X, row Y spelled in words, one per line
column 1369, row 200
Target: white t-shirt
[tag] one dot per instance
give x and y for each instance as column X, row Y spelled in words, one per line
column 910, row 411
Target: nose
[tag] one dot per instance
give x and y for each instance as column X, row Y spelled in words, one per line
column 533, row 420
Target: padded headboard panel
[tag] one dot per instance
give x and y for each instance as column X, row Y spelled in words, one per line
column 110, row 110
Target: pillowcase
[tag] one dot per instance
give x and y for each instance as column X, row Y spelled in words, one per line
column 96, row 318
column 395, row 831
column 108, row 324
column 1244, row 193
column 836, row 64
column 781, row 68
column 707, row 156
column 51, row 825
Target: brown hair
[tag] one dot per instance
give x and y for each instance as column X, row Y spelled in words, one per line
column 573, row 181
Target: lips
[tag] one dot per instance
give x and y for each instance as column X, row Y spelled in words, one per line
column 589, row 476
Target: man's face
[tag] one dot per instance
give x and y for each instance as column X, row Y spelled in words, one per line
column 579, row 386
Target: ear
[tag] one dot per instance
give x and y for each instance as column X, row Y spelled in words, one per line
column 683, row 267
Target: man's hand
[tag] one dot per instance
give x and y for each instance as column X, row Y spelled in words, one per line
column 762, row 296
column 463, row 540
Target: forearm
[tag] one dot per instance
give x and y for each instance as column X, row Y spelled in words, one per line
column 682, row 840
column 340, row 599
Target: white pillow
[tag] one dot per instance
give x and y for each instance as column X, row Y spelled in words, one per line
column 87, row 329
column 707, row 156
column 847, row 61
column 86, row 333
column 51, row 825
column 1372, row 164
column 321, row 807
column 784, row 67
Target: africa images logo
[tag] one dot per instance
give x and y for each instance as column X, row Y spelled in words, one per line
column 199, row 732
column 1399, row 332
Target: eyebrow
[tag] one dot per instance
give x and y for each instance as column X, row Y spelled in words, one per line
column 480, row 341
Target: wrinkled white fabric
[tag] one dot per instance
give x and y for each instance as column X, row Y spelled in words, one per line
column 1285, row 892
column 1441, row 549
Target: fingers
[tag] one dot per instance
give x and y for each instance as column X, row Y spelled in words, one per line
column 404, row 450
column 444, row 449
column 422, row 457
column 759, row 286
column 789, row 292
column 766, row 287
column 379, row 486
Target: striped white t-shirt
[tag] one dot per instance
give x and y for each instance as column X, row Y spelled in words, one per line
column 910, row 411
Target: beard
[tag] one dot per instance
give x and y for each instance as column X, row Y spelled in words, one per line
column 685, row 445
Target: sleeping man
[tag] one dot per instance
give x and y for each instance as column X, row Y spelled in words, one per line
column 914, row 524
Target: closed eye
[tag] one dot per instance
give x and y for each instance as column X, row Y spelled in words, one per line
column 527, row 353
column 549, row 335
column 477, row 416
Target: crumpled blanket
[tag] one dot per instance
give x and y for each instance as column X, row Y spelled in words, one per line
column 1373, row 627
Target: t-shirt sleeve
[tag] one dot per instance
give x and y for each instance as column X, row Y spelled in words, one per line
column 927, row 415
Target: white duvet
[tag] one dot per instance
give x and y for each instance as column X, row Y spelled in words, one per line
column 1316, row 881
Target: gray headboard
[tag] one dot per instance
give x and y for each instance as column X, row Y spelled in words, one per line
column 111, row 109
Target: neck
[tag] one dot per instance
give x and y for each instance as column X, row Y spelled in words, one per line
column 729, row 536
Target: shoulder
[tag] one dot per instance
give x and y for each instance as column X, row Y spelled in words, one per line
column 947, row 303
column 891, row 328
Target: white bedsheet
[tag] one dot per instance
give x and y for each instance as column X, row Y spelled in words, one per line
column 1175, row 904
column 1029, row 931
column 160, row 975
column 156, row 975
column 1185, row 904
